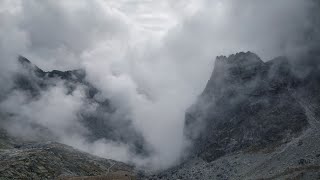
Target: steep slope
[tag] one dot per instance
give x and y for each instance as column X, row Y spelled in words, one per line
column 255, row 120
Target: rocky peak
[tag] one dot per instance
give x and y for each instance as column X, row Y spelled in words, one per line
column 75, row 75
column 246, row 104
column 241, row 58
column 23, row 60
column 29, row 67
column 232, row 72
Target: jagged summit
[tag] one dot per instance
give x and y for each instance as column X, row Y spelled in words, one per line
column 240, row 57
column 245, row 70
column 23, row 60
column 238, row 62
column 28, row 66
column 75, row 75
column 237, row 70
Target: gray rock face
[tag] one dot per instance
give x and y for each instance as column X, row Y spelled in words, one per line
column 247, row 104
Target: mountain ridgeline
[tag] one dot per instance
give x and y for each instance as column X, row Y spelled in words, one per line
column 104, row 122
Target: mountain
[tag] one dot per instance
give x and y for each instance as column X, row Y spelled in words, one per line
column 42, row 157
column 255, row 120
column 106, row 121
column 249, row 105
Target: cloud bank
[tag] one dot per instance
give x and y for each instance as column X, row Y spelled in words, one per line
column 150, row 58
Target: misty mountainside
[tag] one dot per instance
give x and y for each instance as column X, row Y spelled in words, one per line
column 101, row 118
column 255, row 120
column 40, row 156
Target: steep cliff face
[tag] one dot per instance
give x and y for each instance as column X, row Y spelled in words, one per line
column 248, row 104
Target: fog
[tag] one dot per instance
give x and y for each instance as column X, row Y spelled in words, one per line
column 150, row 58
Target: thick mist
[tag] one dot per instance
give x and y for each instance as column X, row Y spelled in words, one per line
column 151, row 59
